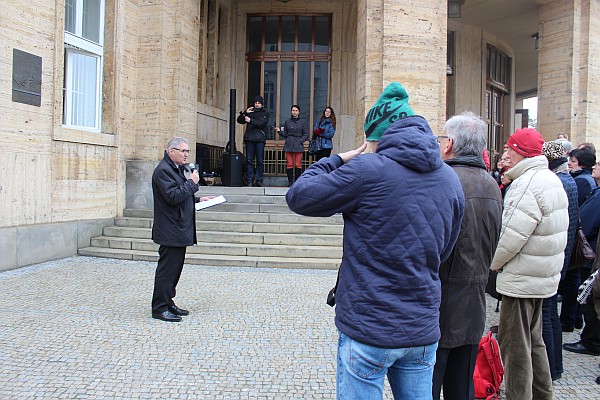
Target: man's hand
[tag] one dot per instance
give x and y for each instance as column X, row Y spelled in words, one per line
column 247, row 119
column 206, row 198
column 194, row 176
column 349, row 155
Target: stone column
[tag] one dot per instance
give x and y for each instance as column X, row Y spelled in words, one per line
column 404, row 42
column 568, row 71
column 166, row 90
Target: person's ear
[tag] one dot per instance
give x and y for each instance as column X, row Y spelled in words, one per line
column 448, row 146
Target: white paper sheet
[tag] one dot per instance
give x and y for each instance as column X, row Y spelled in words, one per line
column 209, row 203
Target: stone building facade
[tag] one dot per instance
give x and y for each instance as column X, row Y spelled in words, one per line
column 76, row 154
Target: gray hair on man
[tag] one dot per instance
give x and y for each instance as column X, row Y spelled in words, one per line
column 176, row 141
column 468, row 133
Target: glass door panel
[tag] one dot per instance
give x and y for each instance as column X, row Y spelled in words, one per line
column 303, row 99
column 288, row 33
column 286, row 94
column 270, row 95
column 321, row 85
column 305, row 25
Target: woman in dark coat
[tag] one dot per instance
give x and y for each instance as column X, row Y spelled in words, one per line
column 295, row 132
column 551, row 325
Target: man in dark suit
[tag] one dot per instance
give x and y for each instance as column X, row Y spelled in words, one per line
column 174, row 225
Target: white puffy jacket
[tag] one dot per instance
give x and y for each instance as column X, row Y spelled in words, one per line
column 533, row 238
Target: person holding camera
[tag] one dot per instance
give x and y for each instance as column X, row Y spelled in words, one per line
column 255, row 138
column 295, row 132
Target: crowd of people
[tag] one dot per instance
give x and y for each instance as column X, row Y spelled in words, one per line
column 425, row 222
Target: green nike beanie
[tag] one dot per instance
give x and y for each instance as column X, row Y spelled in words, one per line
column 389, row 107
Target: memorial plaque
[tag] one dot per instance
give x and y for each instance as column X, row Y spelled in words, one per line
column 27, row 78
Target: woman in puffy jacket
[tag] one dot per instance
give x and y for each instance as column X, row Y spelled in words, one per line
column 295, row 132
column 325, row 129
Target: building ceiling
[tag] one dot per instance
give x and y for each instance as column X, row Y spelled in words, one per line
column 514, row 21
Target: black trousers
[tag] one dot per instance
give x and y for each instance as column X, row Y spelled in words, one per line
column 590, row 335
column 453, row 372
column 168, row 272
column 322, row 153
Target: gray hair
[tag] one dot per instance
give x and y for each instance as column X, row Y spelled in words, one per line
column 568, row 146
column 468, row 133
column 176, row 141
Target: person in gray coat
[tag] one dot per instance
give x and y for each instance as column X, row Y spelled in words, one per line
column 464, row 274
column 295, row 132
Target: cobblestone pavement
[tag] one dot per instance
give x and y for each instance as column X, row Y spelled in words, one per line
column 80, row 328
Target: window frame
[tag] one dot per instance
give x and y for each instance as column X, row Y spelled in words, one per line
column 75, row 43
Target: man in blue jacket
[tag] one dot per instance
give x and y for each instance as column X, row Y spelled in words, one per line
column 402, row 209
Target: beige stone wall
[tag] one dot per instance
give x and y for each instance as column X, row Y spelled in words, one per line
column 42, row 181
column 569, row 71
column 405, row 42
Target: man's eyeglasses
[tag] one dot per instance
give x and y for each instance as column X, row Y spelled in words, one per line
column 439, row 138
column 183, row 151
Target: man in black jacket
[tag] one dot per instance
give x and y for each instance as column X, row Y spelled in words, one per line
column 174, row 225
column 464, row 274
column 257, row 119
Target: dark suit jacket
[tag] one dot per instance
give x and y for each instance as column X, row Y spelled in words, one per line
column 174, row 206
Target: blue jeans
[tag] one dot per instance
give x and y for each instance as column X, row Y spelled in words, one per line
column 361, row 370
column 552, row 335
column 255, row 149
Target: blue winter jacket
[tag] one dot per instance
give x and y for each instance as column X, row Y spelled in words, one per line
column 590, row 218
column 402, row 209
column 329, row 131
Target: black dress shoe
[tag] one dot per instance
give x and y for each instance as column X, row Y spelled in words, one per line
column 579, row 348
column 167, row 316
column 178, row 311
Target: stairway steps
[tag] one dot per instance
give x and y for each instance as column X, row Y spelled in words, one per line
column 216, row 260
column 237, row 237
column 254, row 228
column 233, row 216
column 235, row 249
column 229, row 226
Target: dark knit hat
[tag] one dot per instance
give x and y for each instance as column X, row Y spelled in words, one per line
column 391, row 105
column 259, row 99
column 527, row 142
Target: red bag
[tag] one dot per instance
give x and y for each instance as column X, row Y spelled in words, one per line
column 488, row 369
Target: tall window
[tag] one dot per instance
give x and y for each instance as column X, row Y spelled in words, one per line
column 498, row 83
column 84, row 37
column 289, row 63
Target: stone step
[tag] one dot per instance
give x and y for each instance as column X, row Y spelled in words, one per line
column 238, row 237
column 232, row 216
column 233, row 249
column 217, row 260
column 228, row 226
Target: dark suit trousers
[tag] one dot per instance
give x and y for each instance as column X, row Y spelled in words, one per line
column 453, row 372
column 168, row 272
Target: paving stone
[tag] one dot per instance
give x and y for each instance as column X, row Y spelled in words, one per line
column 80, row 328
